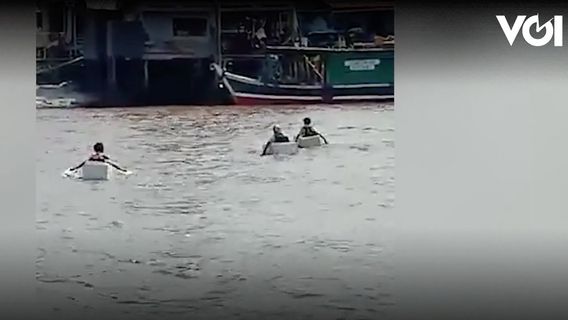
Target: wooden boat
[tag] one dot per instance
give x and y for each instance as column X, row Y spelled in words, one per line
column 306, row 75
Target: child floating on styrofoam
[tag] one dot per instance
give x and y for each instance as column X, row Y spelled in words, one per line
column 277, row 137
column 308, row 131
column 99, row 156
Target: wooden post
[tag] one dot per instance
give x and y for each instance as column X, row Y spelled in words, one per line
column 219, row 59
column 74, row 34
column 146, row 79
column 45, row 10
column 111, row 76
column 295, row 24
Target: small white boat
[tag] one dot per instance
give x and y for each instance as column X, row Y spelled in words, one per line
column 282, row 148
column 42, row 102
column 52, row 86
column 309, row 142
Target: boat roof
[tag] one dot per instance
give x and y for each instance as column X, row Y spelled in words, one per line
column 276, row 49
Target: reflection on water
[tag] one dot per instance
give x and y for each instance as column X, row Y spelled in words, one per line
column 205, row 227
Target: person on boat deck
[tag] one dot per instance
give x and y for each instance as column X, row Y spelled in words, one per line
column 98, row 156
column 308, row 131
column 277, row 137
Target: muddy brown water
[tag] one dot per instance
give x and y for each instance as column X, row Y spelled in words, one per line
column 207, row 229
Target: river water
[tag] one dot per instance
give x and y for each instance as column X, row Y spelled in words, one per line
column 205, row 228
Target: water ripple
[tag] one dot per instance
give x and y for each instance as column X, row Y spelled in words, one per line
column 206, row 226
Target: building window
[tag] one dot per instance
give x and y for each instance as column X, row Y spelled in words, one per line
column 189, row 27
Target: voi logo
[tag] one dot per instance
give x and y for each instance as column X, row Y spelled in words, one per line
column 552, row 30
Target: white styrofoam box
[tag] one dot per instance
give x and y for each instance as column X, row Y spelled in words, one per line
column 94, row 170
column 307, row 142
column 282, row 148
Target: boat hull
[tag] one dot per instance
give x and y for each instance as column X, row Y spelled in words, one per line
column 247, row 91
